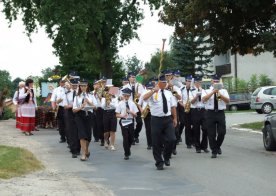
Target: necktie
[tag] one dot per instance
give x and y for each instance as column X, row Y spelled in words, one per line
column 127, row 107
column 133, row 91
column 199, row 97
column 74, row 94
column 165, row 105
column 215, row 102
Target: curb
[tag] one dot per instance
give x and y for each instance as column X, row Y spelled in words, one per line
column 236, row 127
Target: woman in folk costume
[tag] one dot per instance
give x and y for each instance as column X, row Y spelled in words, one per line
column 27, row 108
column 15, row 100
column 83, row 106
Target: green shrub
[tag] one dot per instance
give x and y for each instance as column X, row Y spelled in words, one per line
column 7, row 114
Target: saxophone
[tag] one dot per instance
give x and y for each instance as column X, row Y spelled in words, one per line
column 136, row 98
column 145, row 111
column 187, row 106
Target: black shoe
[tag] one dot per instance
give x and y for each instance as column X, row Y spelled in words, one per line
column 198, row 151
column 136, row 140
column 167, row 162
column 189, row 146
column 214, row 155
column 206, row 150
column 126, row 157
column 74, row 156
column 160, row 167
column 174, row 152
column 219, row 151
column 149, row 147
column 96, row 140
column 102, row 143
column 62, row 141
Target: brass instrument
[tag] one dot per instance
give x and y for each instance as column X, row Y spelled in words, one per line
column 136, row 98
column 187, row 106
column 173, row 92
column 218, row 96
column 145, row 111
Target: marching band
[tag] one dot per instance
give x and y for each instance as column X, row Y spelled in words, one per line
column 166, row 104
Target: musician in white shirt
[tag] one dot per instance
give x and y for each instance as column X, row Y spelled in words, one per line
column 127, row 111
column 144, row 105
column 137, row 89
column 163, row 122
column 198, row 116
column 83, row 106
column 215, row 104
column 57, row 105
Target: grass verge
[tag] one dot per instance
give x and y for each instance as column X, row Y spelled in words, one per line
column 16, row 162
column 254, row 125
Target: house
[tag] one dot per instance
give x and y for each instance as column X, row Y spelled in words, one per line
column 243, row 67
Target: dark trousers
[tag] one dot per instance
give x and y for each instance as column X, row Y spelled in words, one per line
column 139, row 125
column 127, row 132
column 181, row 123
column 71, row 131
column 162, row 134
column 147, row 121
column 198, row 122
column 61, row 123
column 216, row 127
column 188, row 129
column 98, row 129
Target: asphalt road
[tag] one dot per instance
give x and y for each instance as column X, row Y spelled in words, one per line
column 244, row 168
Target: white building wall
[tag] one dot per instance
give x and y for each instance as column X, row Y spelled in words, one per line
column 248, row 65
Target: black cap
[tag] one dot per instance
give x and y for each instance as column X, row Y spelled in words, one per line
column 126, row 91
column 74, row 81
column 198, row 79
column 83, row 82
column 130, row 74
column 162, row 78
column 216, row 77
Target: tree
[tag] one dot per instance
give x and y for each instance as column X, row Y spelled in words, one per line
column 133, row 64
column 241, row 26
column 152, row 67
column 6, row 83
column 191, row 54
column 85, row 33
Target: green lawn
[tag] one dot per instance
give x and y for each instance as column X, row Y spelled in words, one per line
column 255, row 125
column 17, row 162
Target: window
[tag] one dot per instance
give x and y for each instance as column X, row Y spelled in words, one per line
column 267, row 91
column 256, row 92
column 273, row 91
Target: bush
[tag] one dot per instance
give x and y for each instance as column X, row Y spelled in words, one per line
column 7, row 114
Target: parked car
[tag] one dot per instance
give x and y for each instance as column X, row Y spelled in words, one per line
column 239, row 101
column 269, row 132
column 263, row 99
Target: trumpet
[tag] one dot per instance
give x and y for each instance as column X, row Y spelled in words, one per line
column 218, row 96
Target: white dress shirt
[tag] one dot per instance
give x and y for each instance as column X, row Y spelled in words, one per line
column 156, row 103
column 68, row 98
column 58, row 93
column 184, row 94
column 209, row 105
column 194, row 92
column 121, row 108
column 113, row 103
column 78, row 100
column 143, row 103
column 138, row 89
